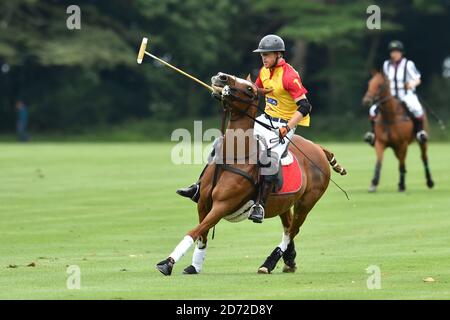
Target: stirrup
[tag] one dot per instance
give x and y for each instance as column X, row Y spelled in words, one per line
column 256, row 213
column 192, row 192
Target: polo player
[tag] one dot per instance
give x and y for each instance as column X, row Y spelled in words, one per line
column 404, row 78
column 286, row 106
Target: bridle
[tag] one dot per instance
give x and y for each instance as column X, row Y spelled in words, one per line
column 227, row 97
column 375, row 99
column 230, row 94
column 380, row 102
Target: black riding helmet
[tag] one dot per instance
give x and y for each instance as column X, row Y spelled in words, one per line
column 271, row 43
column 396, row 45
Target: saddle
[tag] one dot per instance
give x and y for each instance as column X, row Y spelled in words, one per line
column 289, row 180
column 289, row 175
column 286, row 159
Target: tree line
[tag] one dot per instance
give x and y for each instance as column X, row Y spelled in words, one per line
column 74, row 79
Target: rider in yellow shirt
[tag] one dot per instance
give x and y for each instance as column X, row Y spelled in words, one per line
column 286, row 107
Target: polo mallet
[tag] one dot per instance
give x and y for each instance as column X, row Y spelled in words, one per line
column 140, row 58
column 433, row 114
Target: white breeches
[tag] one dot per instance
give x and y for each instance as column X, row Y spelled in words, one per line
column 412, row 103
column 273, row 143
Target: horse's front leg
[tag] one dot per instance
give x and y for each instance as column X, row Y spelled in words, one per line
column 379, row 149
column 285, row 244
column 198, row 258
column 400, row 153
column 218, row 210
column 423, row 149
column 199, row 255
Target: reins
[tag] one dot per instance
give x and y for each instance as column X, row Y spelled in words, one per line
column 227, row 106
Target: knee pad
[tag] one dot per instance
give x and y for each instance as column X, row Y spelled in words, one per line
column 270, row 164
column 216, row 151
column 271, row 178
column 373, row 111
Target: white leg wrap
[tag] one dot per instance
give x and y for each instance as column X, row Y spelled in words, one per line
column 182, row 248
column 284, row 242
column 199, row 257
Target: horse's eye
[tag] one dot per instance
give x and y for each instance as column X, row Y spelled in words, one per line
column 250, row 89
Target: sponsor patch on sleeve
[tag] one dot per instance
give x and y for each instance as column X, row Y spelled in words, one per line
column 272, row 101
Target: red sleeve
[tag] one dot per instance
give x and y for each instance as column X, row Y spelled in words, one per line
column 258, row 81
column 293, row 83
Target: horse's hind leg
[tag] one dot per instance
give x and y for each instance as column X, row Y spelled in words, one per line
column 301, row 210
column 289, row 254
column 289, row 258
column 281, row 249
column 423, row 149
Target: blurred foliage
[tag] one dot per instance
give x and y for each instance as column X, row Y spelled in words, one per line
column 73, row 80
column 332, row 23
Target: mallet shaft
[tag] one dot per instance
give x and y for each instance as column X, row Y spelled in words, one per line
column 180, row 71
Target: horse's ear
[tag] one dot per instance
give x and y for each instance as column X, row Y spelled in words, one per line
column 374, row 69
column 249, row 78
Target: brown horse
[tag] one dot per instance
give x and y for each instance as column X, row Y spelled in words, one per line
column 225, row 189
column 393, row 128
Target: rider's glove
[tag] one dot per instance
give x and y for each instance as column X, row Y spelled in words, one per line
column 283, row 131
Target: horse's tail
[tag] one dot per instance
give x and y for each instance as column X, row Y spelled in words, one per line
column 333, row 163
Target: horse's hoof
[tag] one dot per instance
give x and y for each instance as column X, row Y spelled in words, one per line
column 401, row 188
column 165, row 266
column 289, row 269
column 190, row 270
column 430, row 184
column 263, row 270
column 372, row 188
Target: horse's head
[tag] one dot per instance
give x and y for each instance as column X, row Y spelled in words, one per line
column 237, row 94
column 378, row 89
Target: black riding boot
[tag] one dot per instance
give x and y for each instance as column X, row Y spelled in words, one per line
column 193, row 192
column 257, row 210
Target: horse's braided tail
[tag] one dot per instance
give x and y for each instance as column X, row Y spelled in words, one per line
column 333, row 163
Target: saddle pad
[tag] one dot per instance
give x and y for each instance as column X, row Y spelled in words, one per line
column 288, row 159
column 292, row 177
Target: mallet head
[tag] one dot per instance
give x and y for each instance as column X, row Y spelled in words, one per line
column 141, row 53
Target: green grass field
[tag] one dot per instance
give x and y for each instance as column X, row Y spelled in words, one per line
column 111, row 209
